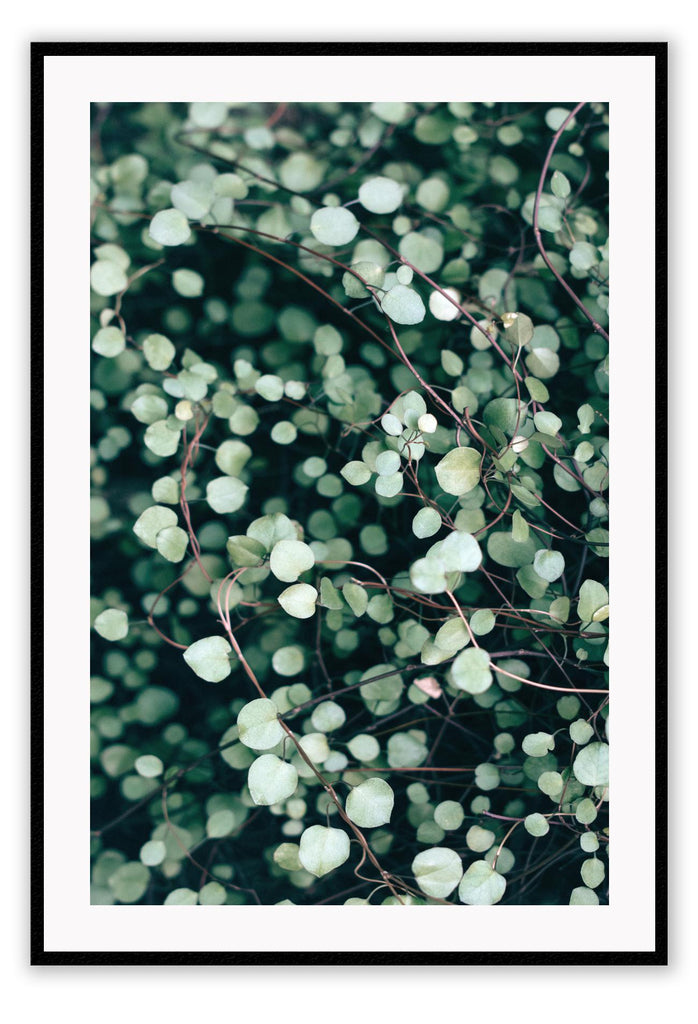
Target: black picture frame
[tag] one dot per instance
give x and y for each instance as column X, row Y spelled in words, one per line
column 68, row 51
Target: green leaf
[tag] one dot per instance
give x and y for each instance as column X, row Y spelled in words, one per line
column 356, row 473
column 245, row 551
column 380, row 195
column 212, row 894
column 329, row 595
column 232, row 456
column 437, row 871
column 129, row 882
column 169, row 227
column 371, row 803
column 479, row 839
column 158, row 351
column 382, row 695
column 428, row 575
column 580, row 732
column 107, row 278
column 299, row 600
column 560, row 185
column 406, row 749
column 226, row 493
column 270, row 387
column 519, row 528
column 289, row 559
column 181, row 897
column 538, row 744
column 356, row 597
column 536, row 824
column 459, row 471
column 590, row 766
column 549, row 565
column 323, row 849
column 458, row 551
column 583, row 256
column 504, row 550
column 585, row 812
column 109, row 342
column 328, row 716
column 424, row 251
column 482, row 621
column 585, row 416
column 152, row 521
column 583, row 897
column 518, row 328
column 188, row 283
column 112, row 624
column 537, row 389
column 210, row 658
column 471, row 670
column 172, row 543
column 364, row 748
column 288, row 661
column 403, row 305
column 426, row 523
column 452, row 636
column 161, row 439
column 449, row 815
column 481, row 885
column 271, row 780
column 593, row 597
column 258, row 724
column 149, row 766
column 334, row 225
column 592, row 872
column 547, row 423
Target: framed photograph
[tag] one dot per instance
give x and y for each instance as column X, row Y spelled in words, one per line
column 326, row 499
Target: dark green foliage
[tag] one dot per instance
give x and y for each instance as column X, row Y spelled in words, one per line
column 350, row 503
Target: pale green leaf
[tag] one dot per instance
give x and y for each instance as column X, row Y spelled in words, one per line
column 299, row 600
column 210, row 658
column 403, row 305
column 590, row 766
column 169, row 227
column 481, row 885
column 459, row 471
column 437, row 871
column 290, row 558
column 112, row 624
column 271, row 780
column 334, row 225
column 322, row 849
column 371, row 803
column 258, row 724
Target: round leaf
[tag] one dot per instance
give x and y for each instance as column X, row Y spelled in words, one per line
column 334, row 225
column 370, row 803
column 323, row 849
column 112, row 624
column 271, row 780
column 437, row 871
column 459, row 471
column 403, row 305
column 210, row 658
column 290, row 558
column 380, row 195
column 226, row 493
column 481, row 885
column 299, row 600
column 169, row 227
column 591, row 765
column 258, row 724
